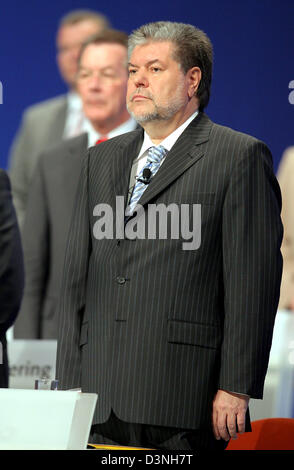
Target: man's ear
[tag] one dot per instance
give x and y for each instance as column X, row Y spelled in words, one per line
column 194, row 77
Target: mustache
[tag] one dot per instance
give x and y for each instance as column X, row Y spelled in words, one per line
column 142, row 93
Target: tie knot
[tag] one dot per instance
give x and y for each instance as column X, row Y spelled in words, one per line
column 155, row 154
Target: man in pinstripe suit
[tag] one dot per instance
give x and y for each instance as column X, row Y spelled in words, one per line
column 173, row 341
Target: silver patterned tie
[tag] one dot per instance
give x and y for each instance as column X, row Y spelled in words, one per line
column 155, row 155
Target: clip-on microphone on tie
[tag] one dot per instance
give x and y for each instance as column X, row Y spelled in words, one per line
column 146, row 176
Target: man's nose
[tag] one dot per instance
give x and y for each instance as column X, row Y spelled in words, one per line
column 94, row 82
column 141, row 79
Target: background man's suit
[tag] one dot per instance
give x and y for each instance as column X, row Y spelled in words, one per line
column 153, row 329
column 42, row 125
column 286, row 179
column 11, row 271
column 51, row 201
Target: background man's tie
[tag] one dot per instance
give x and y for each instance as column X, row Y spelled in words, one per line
column 102, row 139
column 155, row 155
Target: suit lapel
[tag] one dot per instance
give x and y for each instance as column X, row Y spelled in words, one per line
column 187, row 150
column 122, row 165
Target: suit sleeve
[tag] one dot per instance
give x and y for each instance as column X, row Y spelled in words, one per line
column 252, row 265
column 11, row 258
column 73, row 290
column 36, row 246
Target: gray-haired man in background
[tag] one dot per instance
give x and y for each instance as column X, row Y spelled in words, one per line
column 102, row 84
column 57, row 118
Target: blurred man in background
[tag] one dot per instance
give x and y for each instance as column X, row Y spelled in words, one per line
column 11, row 271
column 55, row 119
column 101, row 82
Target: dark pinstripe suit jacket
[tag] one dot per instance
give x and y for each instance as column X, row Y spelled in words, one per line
column 156, row 330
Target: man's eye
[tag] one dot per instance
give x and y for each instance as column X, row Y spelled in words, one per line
column 132, row 71
column 108, row 75
column 83, row 75
column 155, row 69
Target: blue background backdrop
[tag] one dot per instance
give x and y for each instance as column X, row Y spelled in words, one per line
column 253, row 47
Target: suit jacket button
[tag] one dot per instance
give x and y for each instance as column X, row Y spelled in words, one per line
column 120, row 280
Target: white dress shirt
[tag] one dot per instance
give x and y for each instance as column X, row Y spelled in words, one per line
column 93, row 135
column 75, row 119
column 167, row 143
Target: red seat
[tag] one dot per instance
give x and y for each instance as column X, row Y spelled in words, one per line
column 267, row 434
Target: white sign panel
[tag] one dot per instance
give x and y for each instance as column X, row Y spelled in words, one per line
column 41, row 419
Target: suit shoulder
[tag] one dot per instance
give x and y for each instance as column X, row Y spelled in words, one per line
column 122, row 139
column 115, row 143
column 233, row 136
column 66, row 144
column 238, row 147
column 54, row 155
column 242, row 145
column 37, row 110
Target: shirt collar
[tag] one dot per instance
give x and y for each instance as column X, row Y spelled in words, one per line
column 170, row 140
column 93, row 135
column 125, row 127
column 74, row 101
